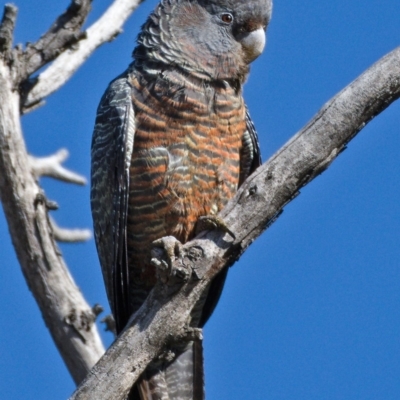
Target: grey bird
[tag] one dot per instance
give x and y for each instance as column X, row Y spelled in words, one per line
column 173, row 141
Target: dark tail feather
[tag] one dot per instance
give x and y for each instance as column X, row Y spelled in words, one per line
column 198, row 371
column 182, row 379
column 134, row 393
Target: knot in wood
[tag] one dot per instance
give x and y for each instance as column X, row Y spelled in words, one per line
column 253, row 189
column 192, row 255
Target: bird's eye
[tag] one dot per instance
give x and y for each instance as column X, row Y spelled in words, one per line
column 227, row 18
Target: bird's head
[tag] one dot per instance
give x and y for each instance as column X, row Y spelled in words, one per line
column 210, row 38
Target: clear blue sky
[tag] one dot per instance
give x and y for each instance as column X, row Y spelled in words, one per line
column 312, row 310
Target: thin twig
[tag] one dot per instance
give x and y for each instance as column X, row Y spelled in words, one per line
column 69, row 235
column 51, row 166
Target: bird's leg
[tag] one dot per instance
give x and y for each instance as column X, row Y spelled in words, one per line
column 171, row 249
column 212, row 222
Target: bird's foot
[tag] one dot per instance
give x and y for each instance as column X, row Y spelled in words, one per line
column 191, row 334
column 164, row 252
column 166, row 356
column 180, row 341
column 212, row 222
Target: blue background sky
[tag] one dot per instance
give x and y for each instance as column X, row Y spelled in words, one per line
column 312, row 310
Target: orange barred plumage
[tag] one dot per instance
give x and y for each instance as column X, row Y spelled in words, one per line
column 185, row 163
column 172, row 142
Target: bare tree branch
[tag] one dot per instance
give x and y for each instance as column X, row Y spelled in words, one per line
column 65, row 311
column 7, row 28
column 103, row 30
column 161, row 319
column 51, row 166
column 67, row 315
column 69, row 235
column 62, row 35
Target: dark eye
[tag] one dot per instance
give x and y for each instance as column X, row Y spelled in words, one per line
column 227, row 18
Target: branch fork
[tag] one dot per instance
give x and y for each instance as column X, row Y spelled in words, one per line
column 51, row 166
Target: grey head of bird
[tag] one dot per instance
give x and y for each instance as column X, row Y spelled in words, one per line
column 208, row 38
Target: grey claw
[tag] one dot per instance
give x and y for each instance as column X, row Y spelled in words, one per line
column 163, row 261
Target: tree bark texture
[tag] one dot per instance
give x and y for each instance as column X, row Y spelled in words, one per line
column 105, row 29
column 67, row 315
column 64, row 47
column 161, row 321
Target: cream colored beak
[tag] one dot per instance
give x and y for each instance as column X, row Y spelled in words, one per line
column 253, row 44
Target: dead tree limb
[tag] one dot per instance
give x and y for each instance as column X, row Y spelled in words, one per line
column 62, row 35
column 69, row 235
column 162, row 318
column 51, row 166
column 105, row 29
column 66, row 313
column 7, row 28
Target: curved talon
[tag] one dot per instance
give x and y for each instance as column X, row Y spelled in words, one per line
column 212, row 222
column 161, row 265
column 172, row 249
column 171, row 246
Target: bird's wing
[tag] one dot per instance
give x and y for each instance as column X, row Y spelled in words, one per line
column 112, row 146
column 250, row 155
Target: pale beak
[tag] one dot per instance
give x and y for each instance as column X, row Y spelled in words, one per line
column 253, row 44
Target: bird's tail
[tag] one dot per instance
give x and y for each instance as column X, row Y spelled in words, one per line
column 181, row 379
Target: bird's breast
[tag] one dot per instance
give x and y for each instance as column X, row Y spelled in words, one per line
column 185, row 161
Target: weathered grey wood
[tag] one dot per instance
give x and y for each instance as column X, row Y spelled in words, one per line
column 67, row 315
column 256, row 205
column 7, row 28
column 63, row 34
column 105, row 29
column 51, row 166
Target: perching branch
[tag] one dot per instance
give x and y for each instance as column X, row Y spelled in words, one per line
column 105, row 29
column 162, row 318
